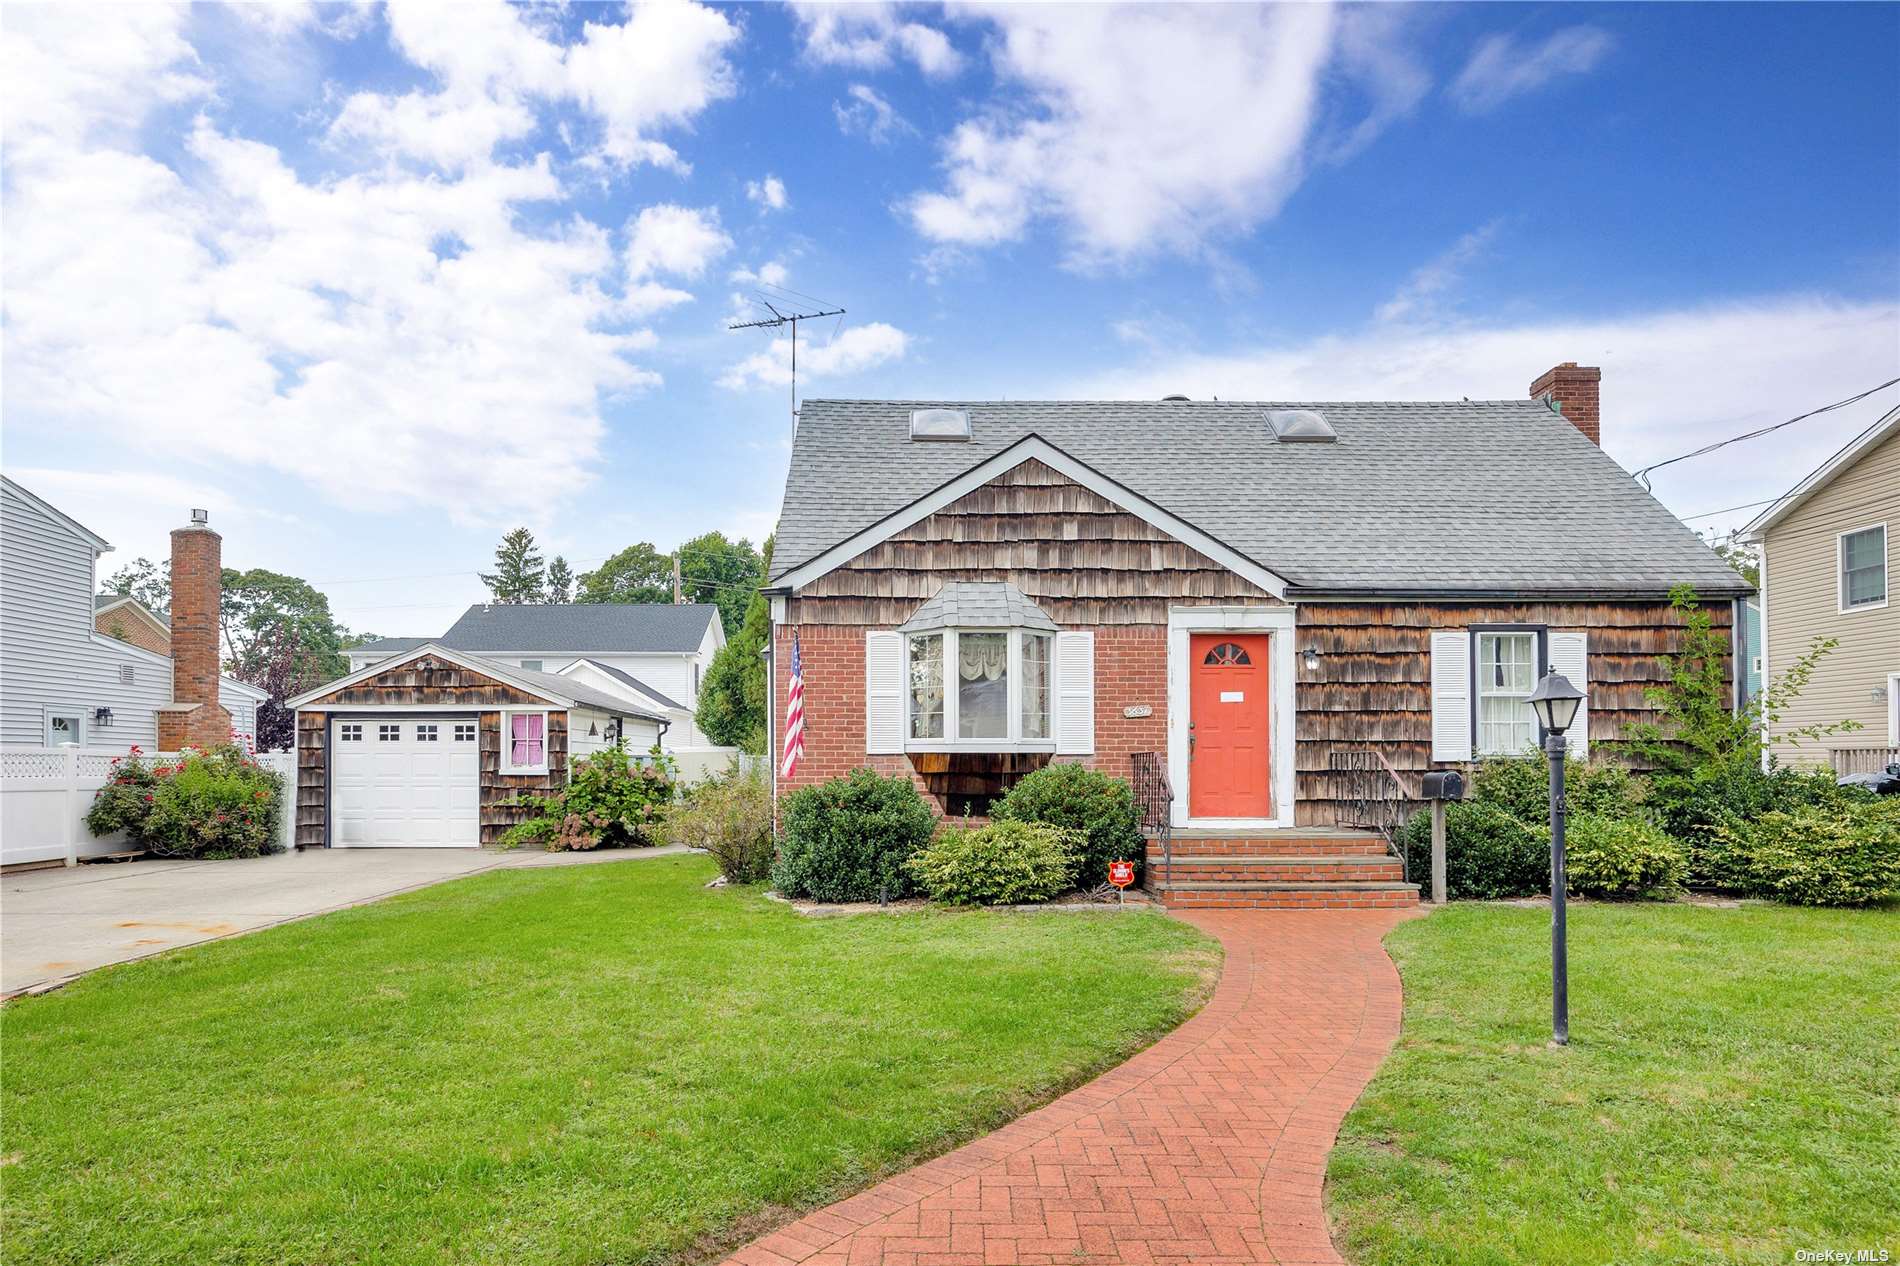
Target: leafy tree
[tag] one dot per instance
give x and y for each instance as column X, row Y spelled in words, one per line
column 638, row 573
column 518, row 573
column 260, row 605
column 722, row 572
column 1744, row 558
column 560, row 581
column 732, row 702
column 146, row 581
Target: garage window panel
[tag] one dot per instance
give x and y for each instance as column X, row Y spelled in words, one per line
column 465, row 732
column 389, row 733
column 425, row 734
column 350, row 733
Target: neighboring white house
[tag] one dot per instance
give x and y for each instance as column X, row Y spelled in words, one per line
column 653, row 656
column 61, row 680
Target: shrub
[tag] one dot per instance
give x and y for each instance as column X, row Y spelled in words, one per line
column 1620, row 857
column 1098, row 806
column 731, row 818
column 1488, row 852
column 609, row 802
column 848, row 839
column 1520, row 785
column 1004, row 863
column 213, row 804
column 1813, row 855
column 1694, row 807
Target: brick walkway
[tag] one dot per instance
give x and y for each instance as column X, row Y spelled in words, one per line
column 1209, row 1147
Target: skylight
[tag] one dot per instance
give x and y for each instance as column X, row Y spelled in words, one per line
column 940, row 424
column 1301, row 426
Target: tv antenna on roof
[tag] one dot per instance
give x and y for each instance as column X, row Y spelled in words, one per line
column 791, row 318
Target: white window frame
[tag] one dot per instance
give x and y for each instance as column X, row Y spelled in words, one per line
column 78, row 716
column 508, row 765
column 1540, row 658
column 1893, row 709
column 1013, row 741
column 1840, row 570
column 533, row 665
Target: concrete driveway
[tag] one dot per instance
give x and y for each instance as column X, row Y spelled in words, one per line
column 58, row 924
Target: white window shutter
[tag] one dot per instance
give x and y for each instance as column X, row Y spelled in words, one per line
column 1570, row 655
column 883, row 694
column 1451, row 695
column 1075, row 694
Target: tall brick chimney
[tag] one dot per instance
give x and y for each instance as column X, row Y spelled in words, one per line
column 194, row 715
column 1573, row 389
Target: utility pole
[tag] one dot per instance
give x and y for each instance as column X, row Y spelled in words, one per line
column 792, row 319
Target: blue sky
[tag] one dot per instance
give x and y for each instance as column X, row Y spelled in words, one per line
column 377, row 284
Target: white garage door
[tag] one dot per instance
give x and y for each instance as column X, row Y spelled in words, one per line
column 405, row 784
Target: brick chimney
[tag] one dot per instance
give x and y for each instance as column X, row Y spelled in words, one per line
column 194, row 715
column 1573, row 389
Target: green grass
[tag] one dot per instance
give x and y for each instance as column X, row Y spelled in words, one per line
column 1731, row 1094
column 587, row 1064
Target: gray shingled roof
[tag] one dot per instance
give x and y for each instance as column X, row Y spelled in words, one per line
column 582, row 628
column 977, row 604
column 389, row 646
column 633, row 681
column 579, row 691
column 1452, row 497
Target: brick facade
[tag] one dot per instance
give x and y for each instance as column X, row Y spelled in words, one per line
column 197, row 591
column 134, row 629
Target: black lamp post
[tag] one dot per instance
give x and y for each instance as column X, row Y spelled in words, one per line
column 1555, row 701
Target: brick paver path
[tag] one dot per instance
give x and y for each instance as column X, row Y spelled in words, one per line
column 1209, row 1147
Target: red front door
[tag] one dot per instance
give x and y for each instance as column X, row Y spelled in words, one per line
column 1228, row 769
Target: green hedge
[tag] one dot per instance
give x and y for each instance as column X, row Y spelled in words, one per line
column 849, row 839
column 1847, row 854
column 1099, row 806
column 1004, row 863
column 1620, row 857
column 1488, row 852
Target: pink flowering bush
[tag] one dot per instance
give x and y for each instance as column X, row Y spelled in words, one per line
column 215, row 804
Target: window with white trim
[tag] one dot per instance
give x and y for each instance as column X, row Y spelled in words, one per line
column 524, row 742
column 1864, row 568
column 532, row 665
column 1504, row 669
column 65, row 726
column 349, row 733
column 425, row 734
column 978, row 688
column 388, row 733
column 465, row 731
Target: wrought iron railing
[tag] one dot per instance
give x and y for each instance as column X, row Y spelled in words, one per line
column 1864, row 760
column 1373, row 797
column 1155, row 798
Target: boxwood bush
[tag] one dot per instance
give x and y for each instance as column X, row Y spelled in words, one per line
column 1695, row 807
column 1520, row 785
column 848, row 839
column 1489, row 853
column 1004, row 863
column 1099, row 806
column 1846, row 854
column 1620, row 857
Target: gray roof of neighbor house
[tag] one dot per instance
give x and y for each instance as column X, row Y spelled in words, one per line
column 389, row 646
column 1491, row 496
column 579, row 691
column 978, row 604
column 633, row 681
column 583, row 628
column 100, row 601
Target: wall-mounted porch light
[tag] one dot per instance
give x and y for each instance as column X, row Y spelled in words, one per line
column 1310, row 658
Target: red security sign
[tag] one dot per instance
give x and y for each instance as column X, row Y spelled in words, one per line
column 1121, row 874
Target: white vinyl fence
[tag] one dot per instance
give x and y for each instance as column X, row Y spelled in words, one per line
column 46, row 791
column 696, row 764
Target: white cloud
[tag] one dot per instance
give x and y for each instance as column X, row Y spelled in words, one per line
column 871, row 36
column 871, row 116
column 1672, row 381
column 1109, row 144
column 1501, row 67
column 768, row 194
column 770, row 273
column 361, row 331
column 855, row 350
column 1424, row 290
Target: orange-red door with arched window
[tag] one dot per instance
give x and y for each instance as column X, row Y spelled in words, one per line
column 1228, row 724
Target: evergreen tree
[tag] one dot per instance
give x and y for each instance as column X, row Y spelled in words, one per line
column 732, row 698
column 560, row 581
column 518, row 573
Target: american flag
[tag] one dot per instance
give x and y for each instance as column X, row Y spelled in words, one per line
column 794, row 716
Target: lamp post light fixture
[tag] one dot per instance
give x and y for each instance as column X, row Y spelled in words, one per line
column 1555, row 701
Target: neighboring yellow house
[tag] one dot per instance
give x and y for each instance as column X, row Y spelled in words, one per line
column 1827, row 550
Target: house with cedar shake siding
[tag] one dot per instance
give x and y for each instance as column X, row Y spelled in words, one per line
column 1271, row 598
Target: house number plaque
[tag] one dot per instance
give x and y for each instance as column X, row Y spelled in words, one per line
column 1136, row 711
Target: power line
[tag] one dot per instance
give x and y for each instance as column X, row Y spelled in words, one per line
column 1746, row 505
column 1642, row 476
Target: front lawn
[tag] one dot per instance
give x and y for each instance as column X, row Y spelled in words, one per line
column 586, row 1064
column 1730, row 1094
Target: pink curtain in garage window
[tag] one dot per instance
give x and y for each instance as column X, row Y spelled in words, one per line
column 527, row 737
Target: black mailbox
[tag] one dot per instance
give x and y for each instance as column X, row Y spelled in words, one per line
column 1446, row 784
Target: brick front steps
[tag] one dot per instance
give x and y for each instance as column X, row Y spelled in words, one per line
column 1301, row 869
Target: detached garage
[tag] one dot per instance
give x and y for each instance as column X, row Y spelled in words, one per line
column 424, row 751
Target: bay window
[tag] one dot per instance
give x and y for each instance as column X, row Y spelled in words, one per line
column 983, row 689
